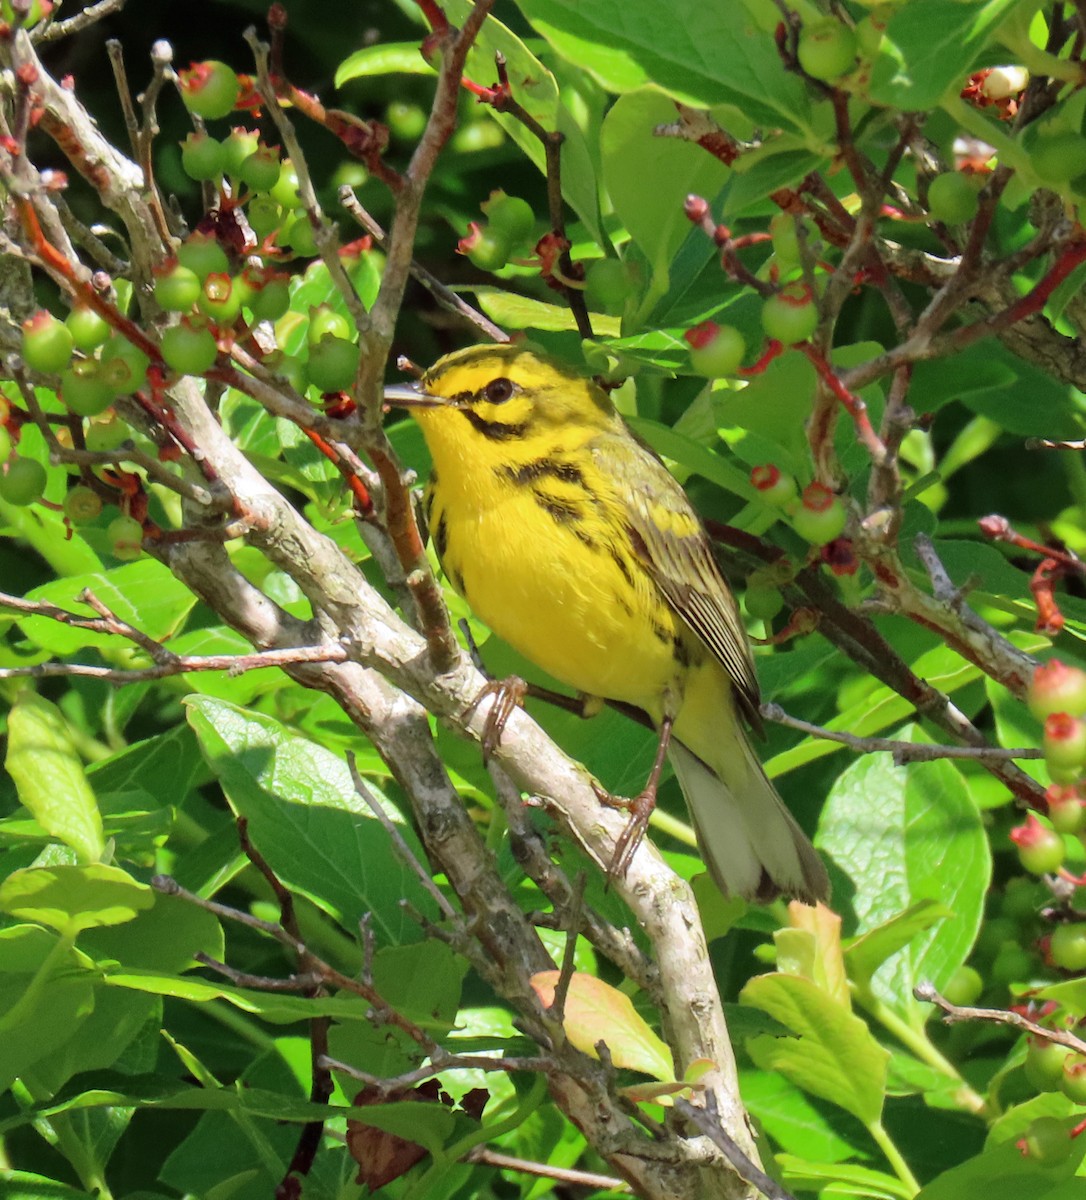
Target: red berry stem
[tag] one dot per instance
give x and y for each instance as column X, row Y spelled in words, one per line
column 773, row 349
column 1050, row 620
column 853, row 404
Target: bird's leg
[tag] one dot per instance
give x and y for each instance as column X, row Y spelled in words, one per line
column 509, row 694
column 639, row 807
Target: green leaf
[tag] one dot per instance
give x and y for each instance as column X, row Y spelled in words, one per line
column 833, row 1056
column 70, row 899
column 46, row 994
column 850, row 1180
column 654, row 215
column 797, row 1124
column 513, row 311
column 866, row 953
column 1003, row 1173
column 304, row 816
column 145, row 594
column 595, row 1011
column 905, row 835
column 22, row 1185
column 939, row 44
column 49, row 776
column 383, row 59
column 701, row 54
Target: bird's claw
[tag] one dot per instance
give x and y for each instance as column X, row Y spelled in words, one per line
column 508, row 696
column 640, row 809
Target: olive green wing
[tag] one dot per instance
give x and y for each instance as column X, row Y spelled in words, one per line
column 671, row 543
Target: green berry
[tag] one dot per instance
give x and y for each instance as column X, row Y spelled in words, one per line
column 1064, row 743
column 82, row 505
column 510, row 218
column 203, row 255
column 1040, row 849
column 177, row 288
column 209, row 89
column 405, row 121
column 1073, row 1081
column 237, row 146
column 123, row 366
column 47, row 343
column 202, row 157
column 84, row 389
column 964, row 986
column 1047, row 1140
column 952, row 197
column 1044, row 1063
column 1057, row 688
column 324, row 321
column 774, row 485
column 265, row 216
column 1067, row 947
column 300, row 236
column 763, row 603
column 22, row 482
column 106, row 434
column 607, row 286
column 125, row 535
column 260, row 171
column 285, row 191
column 715, row 350
column 219, row 299
column 791, row 315
column 270, row 301
column 484, row 248
column 189, row 347
column 821, row 517
column 1065, row 809
column 826, row 50
column 782, row 230
column 89, row 329
column 333, row 364
column 1013, row 964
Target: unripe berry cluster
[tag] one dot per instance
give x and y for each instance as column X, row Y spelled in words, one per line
column 817, row 513
column 509, row 229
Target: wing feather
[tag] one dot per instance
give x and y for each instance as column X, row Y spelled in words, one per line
column 675, row 550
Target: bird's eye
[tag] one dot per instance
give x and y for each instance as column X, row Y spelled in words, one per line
column 497, row 391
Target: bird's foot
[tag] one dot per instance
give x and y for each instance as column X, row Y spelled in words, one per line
column 508, row 696
column 639, row 809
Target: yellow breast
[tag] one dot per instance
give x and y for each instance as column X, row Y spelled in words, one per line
column 538, row 549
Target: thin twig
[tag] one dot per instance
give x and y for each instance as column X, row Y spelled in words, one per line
column 708, row 1122
column 953, row 1013
column 445, row 296
column 903, row 752
column 407, row 856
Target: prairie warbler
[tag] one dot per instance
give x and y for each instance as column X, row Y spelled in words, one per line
column 571, row 540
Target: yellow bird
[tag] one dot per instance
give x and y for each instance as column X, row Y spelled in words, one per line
column 570, row 539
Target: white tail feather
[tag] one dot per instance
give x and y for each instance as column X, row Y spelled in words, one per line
column 750, row 842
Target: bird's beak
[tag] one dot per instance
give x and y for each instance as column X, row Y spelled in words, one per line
column 411, row 395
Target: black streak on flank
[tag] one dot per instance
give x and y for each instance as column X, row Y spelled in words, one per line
column 493, row 431
column 543, row 468
column 441, row 537
column 565, row 512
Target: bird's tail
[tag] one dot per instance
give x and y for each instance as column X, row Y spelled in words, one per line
column 750, row 842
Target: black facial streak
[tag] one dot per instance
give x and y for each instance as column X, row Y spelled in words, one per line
column 494, row 431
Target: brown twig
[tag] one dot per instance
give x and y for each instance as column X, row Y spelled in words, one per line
column 953, row 1013
column 903, row 752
